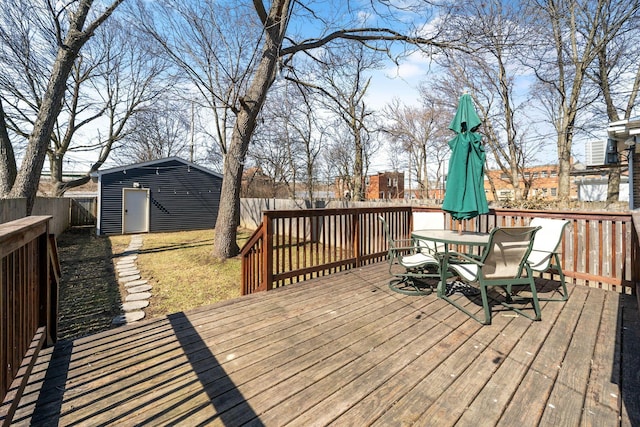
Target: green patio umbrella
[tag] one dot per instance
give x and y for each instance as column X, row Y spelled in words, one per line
column 464, row 196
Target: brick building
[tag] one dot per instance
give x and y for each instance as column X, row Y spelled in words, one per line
column 384, row 186
column 544, row 183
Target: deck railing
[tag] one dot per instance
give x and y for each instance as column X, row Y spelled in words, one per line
column 598, row 249
column 29, row 273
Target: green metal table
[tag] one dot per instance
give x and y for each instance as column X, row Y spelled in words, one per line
column 449, row 237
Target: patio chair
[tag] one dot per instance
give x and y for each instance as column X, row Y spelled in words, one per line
column 409, row 264
column 428, row 221
column 544, row 253
column 502, row 265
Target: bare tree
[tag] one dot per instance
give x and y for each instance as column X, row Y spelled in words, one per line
column 338, row 159
column 71, row 32
column 8, row 168
column 215, row 47
column 419, row 131
column 292, row 123
column 342, row 83
column 273, row 53
column 122, row 79
column 572, row 30
column 273, row 50
column 158, row 131
column 616, row 73
column 497, row 33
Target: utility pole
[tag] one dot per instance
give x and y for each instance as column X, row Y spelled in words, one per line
column 192, row 132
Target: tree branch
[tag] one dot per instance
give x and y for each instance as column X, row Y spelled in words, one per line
column 363, row 35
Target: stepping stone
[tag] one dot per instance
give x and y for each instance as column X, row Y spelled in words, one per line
column 137, row 297
column 125, row 264
column 135, row 283
column 130, row 257
column 138, row 289
column 135, row 305
column 131, row 316
column 131, row 271
column 125, row 279
column 134, row 316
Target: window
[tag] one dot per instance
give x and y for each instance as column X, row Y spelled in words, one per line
column 527, row 175
column 504, row 176
column 535, row 175
column 505, row 194
column 554, row 173
column 554, row 192
column 543, row 174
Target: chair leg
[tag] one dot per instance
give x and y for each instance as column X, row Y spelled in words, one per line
column 485, row 303
column 563, row 283
column 408, row 286
column 536, row 303
column 534, row 300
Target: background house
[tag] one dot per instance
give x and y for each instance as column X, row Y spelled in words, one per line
column 384, row 186
column 622, row 148
column 544, row 183
column 169, row 194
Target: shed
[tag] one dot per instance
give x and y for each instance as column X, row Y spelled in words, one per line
column 163, row 195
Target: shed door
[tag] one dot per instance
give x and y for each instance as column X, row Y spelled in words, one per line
column 135, row 210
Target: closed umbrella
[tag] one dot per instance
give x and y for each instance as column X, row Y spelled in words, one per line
column 464, row 196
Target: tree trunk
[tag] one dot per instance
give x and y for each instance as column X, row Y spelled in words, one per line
column 8, row 168
column 28, row 178
column 358, row 165
column 224, row 243
column 564, row 167
column 613, row 188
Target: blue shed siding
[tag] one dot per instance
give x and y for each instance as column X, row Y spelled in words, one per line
column 181, row 197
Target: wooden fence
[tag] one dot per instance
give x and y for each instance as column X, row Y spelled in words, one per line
column 598, row 249
column 29, row 275
column 56, row 207
column 84, row 211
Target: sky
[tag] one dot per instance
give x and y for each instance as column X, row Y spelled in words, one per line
column 391, row 82
column 403, row 81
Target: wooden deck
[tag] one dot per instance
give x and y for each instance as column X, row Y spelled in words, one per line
column 345, row 350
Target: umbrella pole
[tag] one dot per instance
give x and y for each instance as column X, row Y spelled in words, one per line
column 460, row 227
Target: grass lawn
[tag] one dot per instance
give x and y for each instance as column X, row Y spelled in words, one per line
column 182, row 271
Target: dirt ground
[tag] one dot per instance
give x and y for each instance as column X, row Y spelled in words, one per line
column 89, row 295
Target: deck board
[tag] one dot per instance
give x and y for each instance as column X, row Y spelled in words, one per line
column 345, row 350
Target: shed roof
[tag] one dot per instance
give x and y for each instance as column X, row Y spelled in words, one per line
column 154, row 163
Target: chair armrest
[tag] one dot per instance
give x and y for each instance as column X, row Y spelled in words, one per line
column 404, row 242
column 405, row 249
column 458, row 257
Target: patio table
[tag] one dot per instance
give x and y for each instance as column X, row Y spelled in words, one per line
column 449, row 237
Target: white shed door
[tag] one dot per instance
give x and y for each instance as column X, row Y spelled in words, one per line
column 135, row 210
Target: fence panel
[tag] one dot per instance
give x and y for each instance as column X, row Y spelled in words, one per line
column 84, row 211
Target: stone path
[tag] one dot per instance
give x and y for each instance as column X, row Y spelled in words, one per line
column 138, row 290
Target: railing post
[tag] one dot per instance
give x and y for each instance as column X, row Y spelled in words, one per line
column 267, row 254
column 356, row 239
